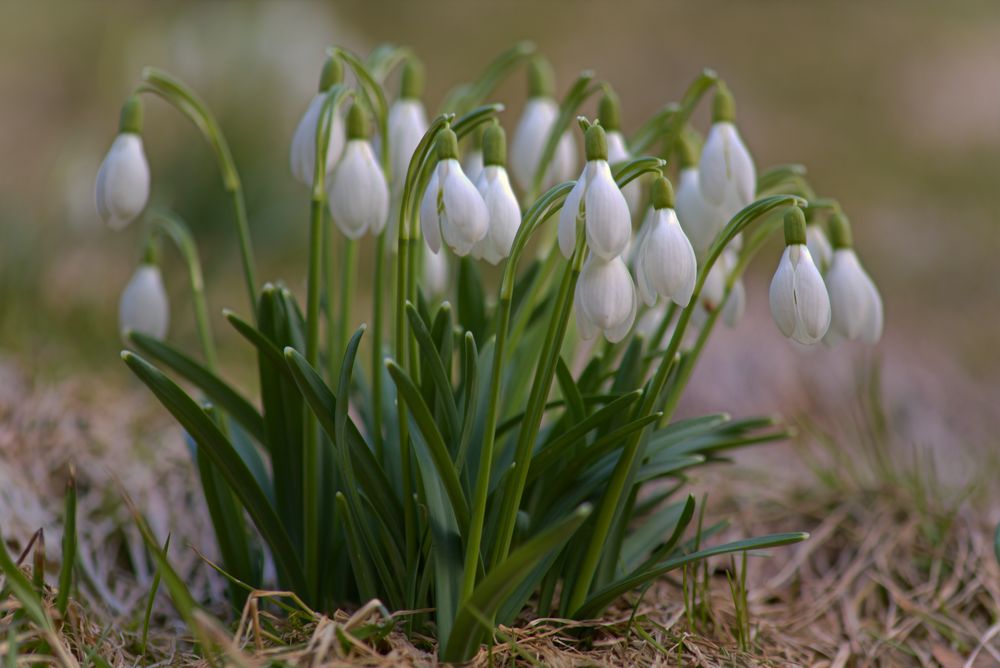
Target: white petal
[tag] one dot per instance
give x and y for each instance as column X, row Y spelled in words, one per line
column 726, row 166
column 568, row 216
column 782, row 295
column 669, row 259
column 430, row 224
column 872, row 331
column 607, row 293
column 564, row 163
column 646, row 290
column 358, row 194
column 819, row 246
column 736, row 304
column 529, row 139
column 608, row 221
column 586, row 328
column 812, row 304
column 464, row 219
column 407, row 124
column 435, row 274
column 854, row 300
column 701, row 221
column 122, row 188
column 621, row 330
column 472, row 164
column 504, row 214
column 303, row 150
column 143, row 306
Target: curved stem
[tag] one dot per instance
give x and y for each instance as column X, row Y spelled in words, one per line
column 188, row 103
column 467, row 96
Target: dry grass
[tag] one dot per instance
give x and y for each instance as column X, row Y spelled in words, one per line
column 896, row 573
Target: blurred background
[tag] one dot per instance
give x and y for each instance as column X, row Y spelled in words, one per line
column 894, row 107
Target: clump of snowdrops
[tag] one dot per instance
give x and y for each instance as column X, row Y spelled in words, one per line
column 487, row 449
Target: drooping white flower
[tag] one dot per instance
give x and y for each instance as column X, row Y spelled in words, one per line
column 819, row 246
column 434, row 274
column 407, row 122
column 607, row 221
column 122, row 188
column 854, row 299
column 472, row 164
column 357, row 192
column 799, row 301
column 727, row 175
column 452, row 208
column 143, row 306
column 701, row 220
column 665, row 264
column 494, row 186
column 303, row 150
column 605, row 299
column 532, row 134
column 609, row 114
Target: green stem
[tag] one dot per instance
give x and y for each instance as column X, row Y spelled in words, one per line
column 377, row 326
column 310, row 458
column 348, row 269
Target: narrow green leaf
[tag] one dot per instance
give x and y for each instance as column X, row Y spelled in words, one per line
column 23, row 590
column 570, row 391
column 468, row 632
column 471, row 298
column 598, row 601
column 643, row 540
column 69, row 543
column 216, row 389
column 208, row 436
column 431, row 358
column 153, row 589
column 263, row 344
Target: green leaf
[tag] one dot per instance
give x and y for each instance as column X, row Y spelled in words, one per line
column 435, row 443
column 471, row 298
column 208, row 436
column 69, row 542
column 470, row 396
column 491, row 592
column 675, row 518
column 260, row 341
column 23, row 590
column 430, row 357
column 605, row 597
column 570, row 391
column 216, row 389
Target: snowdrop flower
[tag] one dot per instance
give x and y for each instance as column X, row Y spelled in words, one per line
column 727, row 175
column 854, row 299
column 819, row 246
column 713, row 290
column 665, row 264
column 597, row 198
column 452, row 208
column 494, row 186
column 358, row 193
column 143, row 306
column 472, row 160
column 609, row 114
column 123, row 179
column 407, row 122
column 303, row 152
column 799, row 302
column 605, row 299
column 434, row 274
column 702, row 221
column 532, row 134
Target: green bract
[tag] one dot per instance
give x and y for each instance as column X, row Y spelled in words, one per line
column 477, row 459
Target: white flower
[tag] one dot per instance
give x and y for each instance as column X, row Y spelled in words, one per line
column 713, row 290
column 605, row 299
column 701, row 220
column 358, row 194
column 617, row 153
column 799, row 301
column 665, row 264
column 452, row 208
column 143, row 306
column 303, row 153
column 606, row 217
column 530, row 138
column 434, row 275
column 819, row 246
column 123, row 181
column 727, row 175
column 504, row 215
column 854, row 300
column 407, row 124
column 472, row 164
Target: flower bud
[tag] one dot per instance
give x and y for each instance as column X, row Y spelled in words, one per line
column 857, row 311
column 799, row 301
column 532, row 133
column 452, row 207
column 357, row 192
column 665, row 264
column 303, row 149
column 143, row 306
column 727, row 173
column 122, row 188
column 605, row 299
column 407, row 123
column 819, row 245
column 494, row 187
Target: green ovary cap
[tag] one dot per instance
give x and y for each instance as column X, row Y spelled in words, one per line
column 333, row 73
column 795, row 227
column 596, row 143
column 840, row 231
column 687, row 155
column 357, row 123
column 447, row 145
column 609, row 111
column 131, row 116
column 662, row 194
column 411, row 83
column 540, row 78
column 494, row 145
column 723, row 105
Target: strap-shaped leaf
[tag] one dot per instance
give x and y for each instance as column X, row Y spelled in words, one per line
column 69, row 543
column 574, row 401
column 605, row 597
column 430, row 357
column 208, row 436
column 216, row 389
column 643, row 540
column 468, row 631
column 409, row 393
column 259, row 341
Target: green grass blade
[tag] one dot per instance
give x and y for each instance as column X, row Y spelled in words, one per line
column 208, row 436
column 154, row 588
column 221, row 394
column 430, row 356
column 23, row 590
column 598, row 601
column 645, row 538
column 69, row 542
column 570, row 391
column 490, row 593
